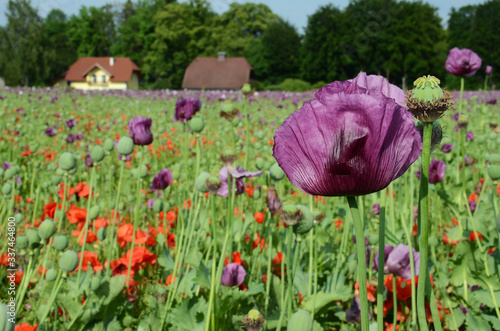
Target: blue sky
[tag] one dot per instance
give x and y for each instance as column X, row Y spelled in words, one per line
column 294, row 11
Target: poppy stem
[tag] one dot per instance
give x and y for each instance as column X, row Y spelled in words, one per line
column 381, row 262
column 361, row 252
column 424, row 234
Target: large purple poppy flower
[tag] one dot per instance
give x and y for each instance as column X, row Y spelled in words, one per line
column 233, row 275
column 437, row 170
column 354, row 138
column 162, row 180
column 462, row 62
column 239, row 173
column 139, row 129
column 398, row 261
column 186, row 108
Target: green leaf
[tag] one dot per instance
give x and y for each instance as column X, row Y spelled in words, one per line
column 459, row 319
column 495, row 322
column 166, row 260
column 202, row 277
column 255, row 288
column 322, row 299
column 69, row 304
column 194, row 258
column 114, row 325
column 475, row 322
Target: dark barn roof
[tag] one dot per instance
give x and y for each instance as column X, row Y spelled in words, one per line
column 217, row 73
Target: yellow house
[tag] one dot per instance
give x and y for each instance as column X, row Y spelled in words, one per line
column 103, row 73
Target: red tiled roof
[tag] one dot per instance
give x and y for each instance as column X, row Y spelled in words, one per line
column 121, row 71
column 209, row 72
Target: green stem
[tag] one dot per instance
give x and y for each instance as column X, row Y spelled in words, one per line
column 424, row 234
column 394, row 304
column 381, row 260
column 111, row 240
column 214, row 258
column 64, row 202
column 289, row 269
column 360, row 246
column 52, row 297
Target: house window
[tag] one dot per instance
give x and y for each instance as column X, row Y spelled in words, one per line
column 103, row 79
column 94, row 79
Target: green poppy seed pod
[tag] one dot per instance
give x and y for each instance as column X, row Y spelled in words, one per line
column 176, row 174
column 190, row 163
column 95, row 283
column 235, row 121
column 60, row 172
column 121, row 206
column 33, row 237
column 60, row 242
column 197, row 124
column 481, row 139
column 7, row 313
column 253, row 321
column 200, row 182
column 47, row 229
column 7, row 188
column 101, row 234
column 130, row 198
column 125, row 146
column 427, row 102
column 158, row 206
column 227, row 106
column 494, row 171
column 493, row 158
column 10, row 173
column 256, row 193
column 55, row 179
column 51, row 275
column 493, row 136
column 52, row 167
column 143, row 171
column 109, row 145
column 246, row 89
column 260, row 134
column 373, row 239
column 300, row 321
column 433, row 241
column 22, row 242
column 94, row 212
column 68, row 261
column 97, row 153
column 276, row 172
column 257, row 145
column 306, row 223
column 427, row 89
column 67, row 161
column 259, row 163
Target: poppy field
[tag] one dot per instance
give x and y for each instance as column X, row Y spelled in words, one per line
column 217, row 210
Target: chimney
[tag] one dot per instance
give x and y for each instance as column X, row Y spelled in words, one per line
column 111, row 61
column 221, row 56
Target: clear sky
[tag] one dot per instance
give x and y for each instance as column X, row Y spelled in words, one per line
column 294, row 11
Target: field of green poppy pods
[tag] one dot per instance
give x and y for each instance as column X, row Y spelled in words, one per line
column 217, row 210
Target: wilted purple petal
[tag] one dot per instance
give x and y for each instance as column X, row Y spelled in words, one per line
column 233, row 275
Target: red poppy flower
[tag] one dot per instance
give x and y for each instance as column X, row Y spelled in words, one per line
column 259, row 241
column 125, row 233
column 76, row 215
column 92, row 258
column 259, row 217
column 472, row 236
column 26, row 327
column 372, row 290
column 403, row 286
column 338, row 223
column 49, row 210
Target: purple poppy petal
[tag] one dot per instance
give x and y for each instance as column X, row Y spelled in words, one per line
column 233, row 275
column 398, row 261
column 462, row 62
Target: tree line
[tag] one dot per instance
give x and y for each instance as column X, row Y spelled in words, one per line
column 400, row 40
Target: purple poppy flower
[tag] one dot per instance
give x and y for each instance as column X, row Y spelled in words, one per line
column 70, row 123
column 437, row 170
column 51, row 131
column 387, row 250
column 353, row 314
column 472, row 206
column 6, row 165
column 79, row 136
column 456, row 116
column 488, row 70
column 354, row 138
column 239, row 173
column 467, row 161
column 446, row 148
column 162, row 180
column 376, row 209
column 233, row 275
column 398, row 261
column 89, row 162
column 127, row 158
column 139, row 129
column 492, row 101
column 462, row 62
column 186, row 108
column 470, row 136
column 272, row 200
column 70, row 138
column 151, row 202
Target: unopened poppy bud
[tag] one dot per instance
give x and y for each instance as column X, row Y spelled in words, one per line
column 143, row 171
column 427, row 101
column 494, row 166
column 200, row 182
column 67, row 161
column 51, row 275
column 253, row 321
column 60, row 242
column 94, row 212
column 68, row 261
column 97, row 153
column 11, row 172
column 95, row 283
column 18, row 218
column 373, row 239
column 197, row 124
column 7, row 188
column 257, row 145
column 125, row 146
column 259, row 163
column 300, row 321
column 101, row 234
column 33, row 237
column 246, row 89
column 55, row 179
column 158, row 206
column 256, row 193
column 109, row 145
column 259, row 134
column 47, row 229
column 22, row 242
column 276, row 172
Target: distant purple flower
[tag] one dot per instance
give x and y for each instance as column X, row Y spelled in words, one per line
column 437, row 171
column 376, row 209
column 398, row 261
column 488, row 70
column 353, row 314
column 354, row 138
column 71, row 123
column 139, row 129
column 462, row 62
column 239, row 173
column 467, row 161
column 127, row 158
column 151, row 202
column 456, row 116
column 79, row 136
column 53, row 99
column 463, row 309
column 472, row 206
column 233, row 275
column 70, row 138
column 162, row 180
column 186, row 108
column 387, row 250
column 492, row 101
column 446, row 148
column 89, row 162
column 19, row 181
column 51, row 131
column 6, row 165
column 470, row 136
